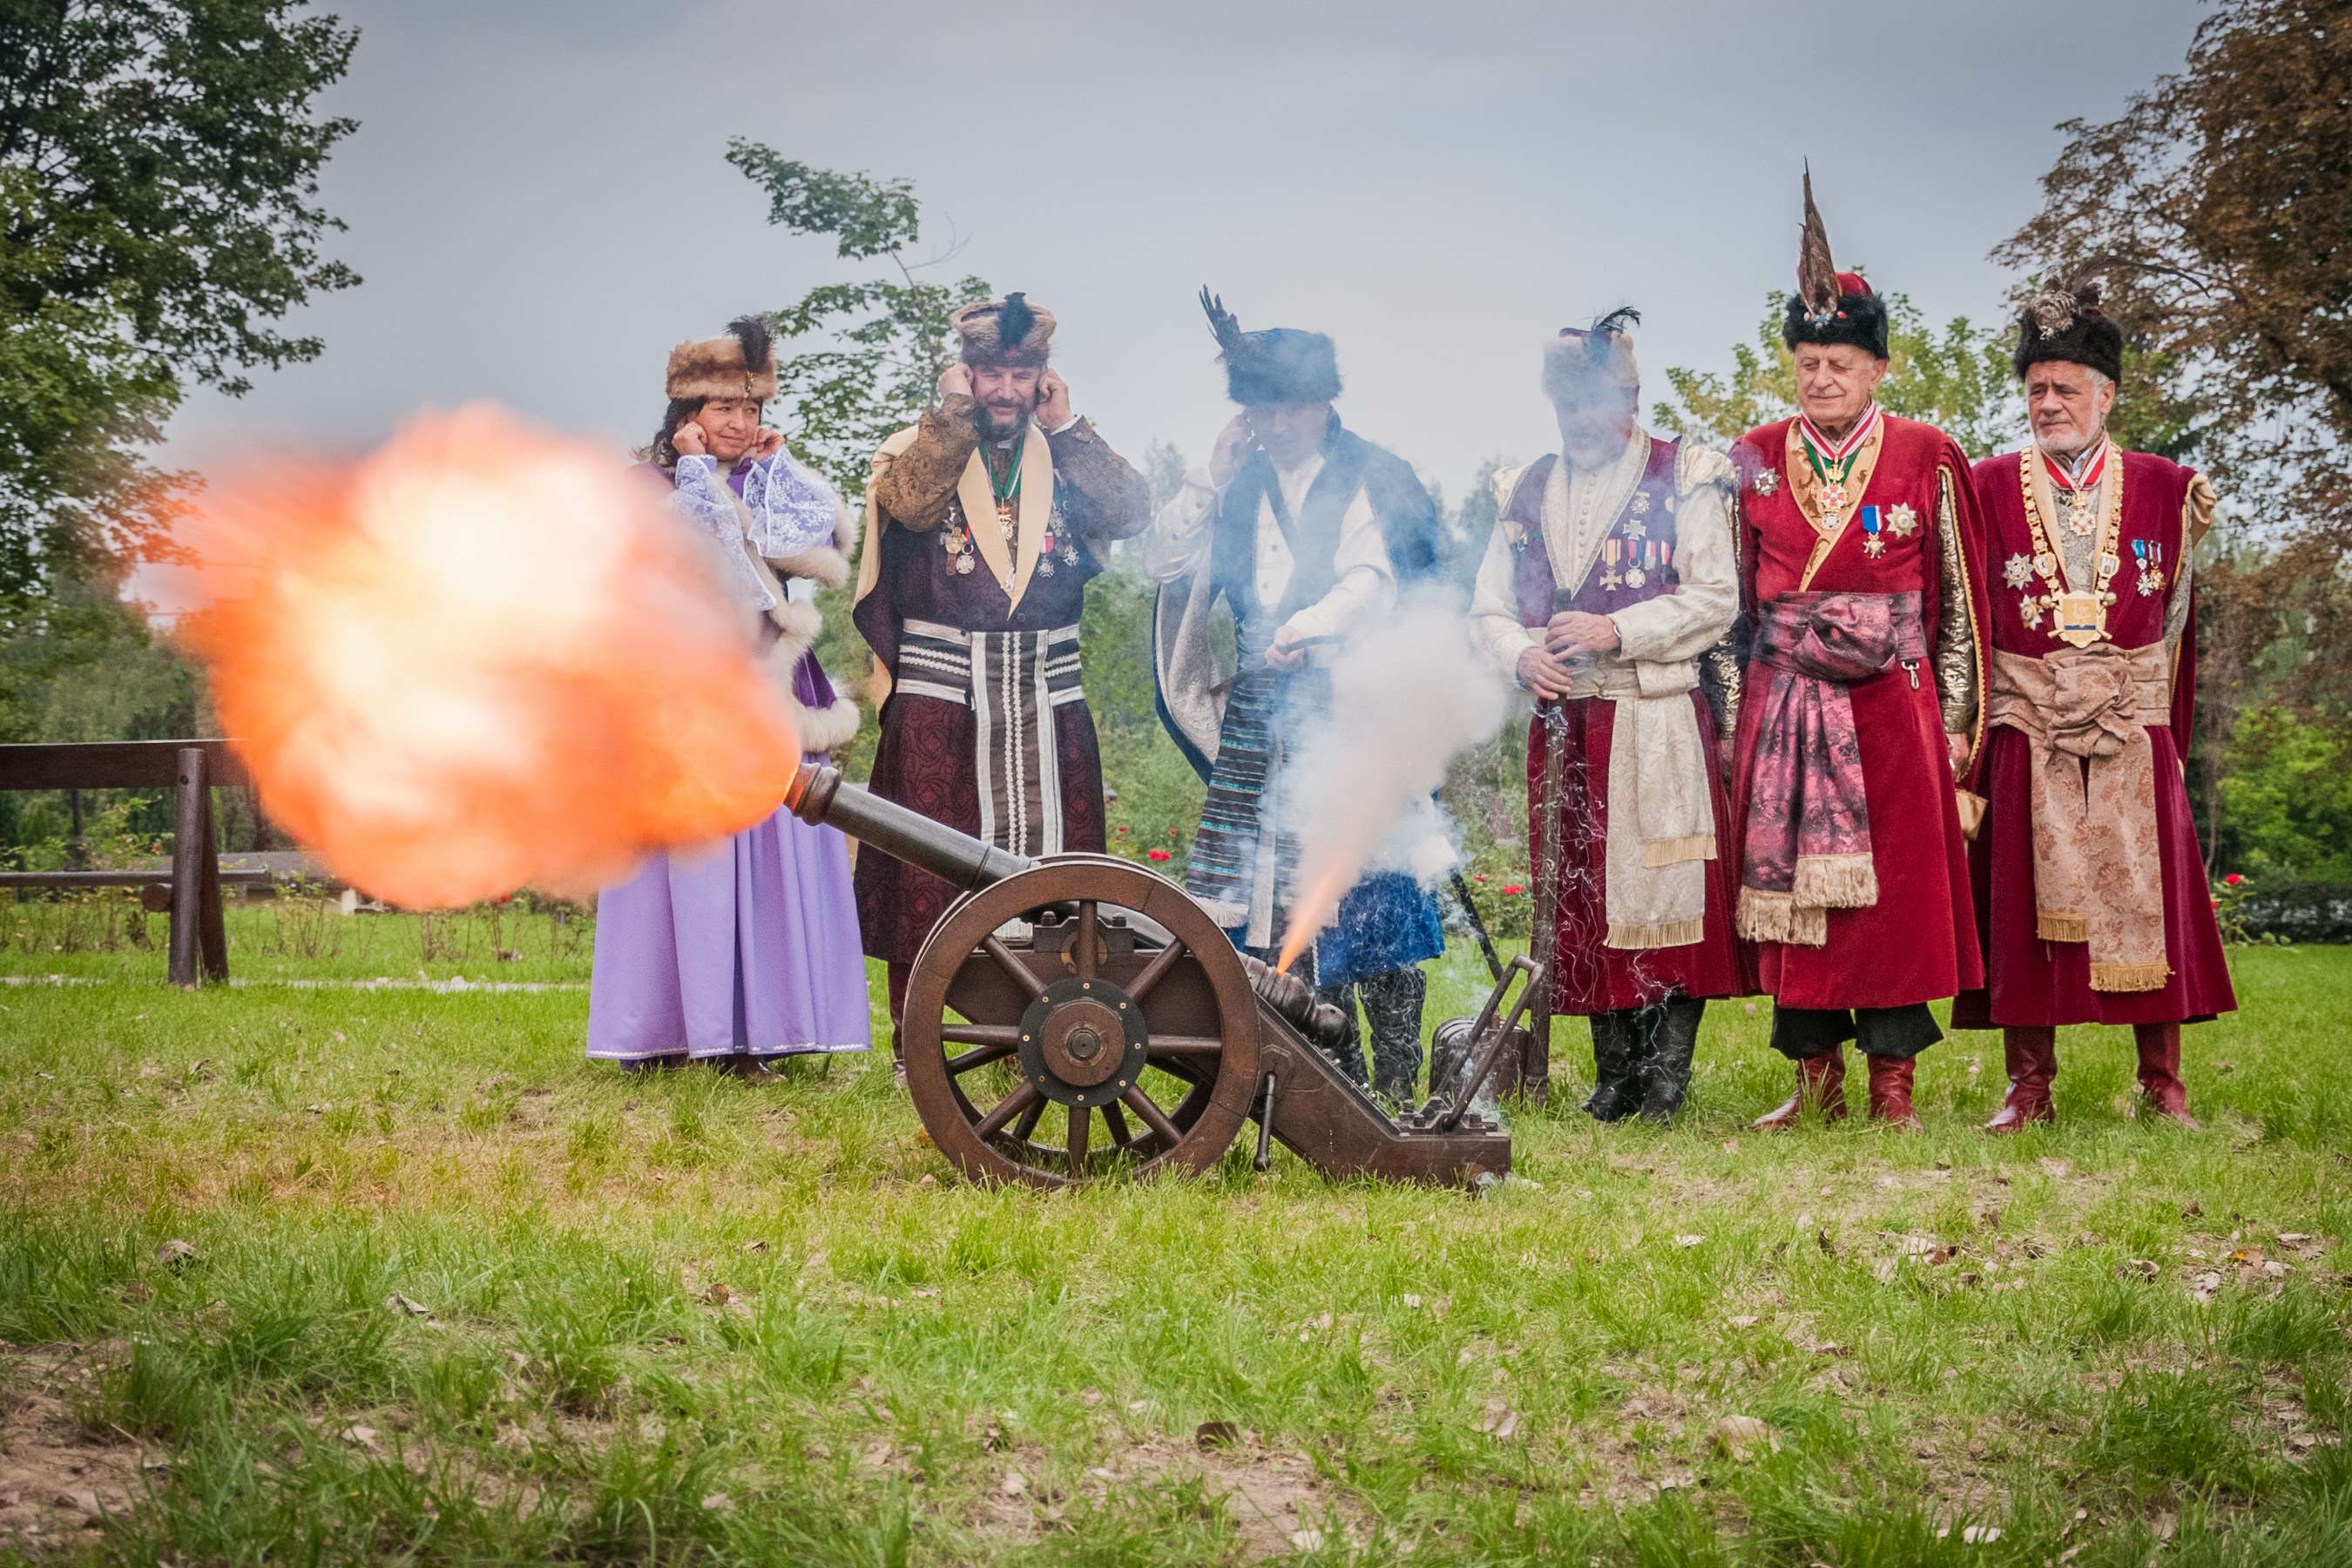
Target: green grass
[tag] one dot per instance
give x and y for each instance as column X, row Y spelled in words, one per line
column 683, row 1317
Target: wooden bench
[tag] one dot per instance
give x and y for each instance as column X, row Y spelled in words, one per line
column 199, row 944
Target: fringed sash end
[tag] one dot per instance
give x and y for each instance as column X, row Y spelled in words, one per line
column 1836, row 882
column 1663, row 933
column 2130, row 976
column 1778, row 917
column 2058, row 925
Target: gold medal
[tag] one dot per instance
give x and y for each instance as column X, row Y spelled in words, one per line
column 2082, row 618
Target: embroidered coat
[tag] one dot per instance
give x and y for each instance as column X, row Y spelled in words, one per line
column 2028, row 981
column 1043, row 769
column 1673, row 609
column 1918, row 940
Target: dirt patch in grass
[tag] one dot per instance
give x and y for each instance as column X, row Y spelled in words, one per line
column 58, row 1482
column 1279, row 1503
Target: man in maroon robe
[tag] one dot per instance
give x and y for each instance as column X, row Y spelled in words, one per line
column 984, row 523
column 2090, row 891
column 1860, row 709
column 1607, row 592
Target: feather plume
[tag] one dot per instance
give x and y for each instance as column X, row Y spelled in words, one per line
column 1015, row 321
column 757, row 342
column 1817, row 279
column 2075, row 290
column 1607, row 328
column 1222, row 325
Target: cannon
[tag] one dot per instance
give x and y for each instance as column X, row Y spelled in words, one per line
column 1079, row 1016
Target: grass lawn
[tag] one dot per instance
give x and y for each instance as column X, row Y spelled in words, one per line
column 326, row 1274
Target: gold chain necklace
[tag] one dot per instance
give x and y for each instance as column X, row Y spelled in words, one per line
column 2082, row 615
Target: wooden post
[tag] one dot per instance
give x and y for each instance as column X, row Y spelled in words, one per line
column 190, row 853
column 212, row 927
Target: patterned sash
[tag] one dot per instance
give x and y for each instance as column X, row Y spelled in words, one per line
column 1012, row 682
column 1807, row 849
column 2099, row 870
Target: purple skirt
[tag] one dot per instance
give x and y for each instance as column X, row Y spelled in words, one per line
column 749, row 947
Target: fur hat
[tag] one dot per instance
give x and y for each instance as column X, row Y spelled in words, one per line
column 740, row 363
column 2063, row 322
column 1831, row 306
column 1007, row 331
column 1581, row 362
column 1279, row 364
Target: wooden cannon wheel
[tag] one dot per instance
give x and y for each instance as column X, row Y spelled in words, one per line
column 1084, row 1053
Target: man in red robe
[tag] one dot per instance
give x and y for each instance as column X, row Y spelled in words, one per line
column 2090, row 892
column 1608, row 591
column 1866, row 609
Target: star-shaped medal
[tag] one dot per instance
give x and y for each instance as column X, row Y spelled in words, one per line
column 1768, row 481
column 1901, row 522
column 1873, row 547
column 1640, row 503
column 2018, row 571
column 2031, row 608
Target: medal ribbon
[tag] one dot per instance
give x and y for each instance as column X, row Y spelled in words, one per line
column 2072, row 477
column 1833, row 461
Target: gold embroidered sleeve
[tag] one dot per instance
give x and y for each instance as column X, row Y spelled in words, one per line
column 915, row 486
column 1723, row 668
column 1956, row 621
column 1101, row 491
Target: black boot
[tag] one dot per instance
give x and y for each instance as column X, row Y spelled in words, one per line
column 1616, row 1091
column 1349, row 1054
column 1674, row 1040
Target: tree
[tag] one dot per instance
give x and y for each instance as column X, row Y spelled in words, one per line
column 2225, row 195
column 889, row 333
column 1957, row 380
column 159, row 164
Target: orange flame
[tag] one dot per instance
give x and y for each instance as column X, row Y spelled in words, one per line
column 1314, row 910
column 482, row 658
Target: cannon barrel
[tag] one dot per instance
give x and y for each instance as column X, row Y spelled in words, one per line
column 818, row 797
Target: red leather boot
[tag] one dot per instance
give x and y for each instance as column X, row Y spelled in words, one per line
column 2031, row 1053
column 2160, row 1072
column 1890, row 1092
column 1821, row 1081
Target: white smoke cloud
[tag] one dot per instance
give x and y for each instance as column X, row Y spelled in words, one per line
column 1408, row 694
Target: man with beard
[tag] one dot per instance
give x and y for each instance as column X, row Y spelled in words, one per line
column 1609, row 590
column 984, row 523
column 2091, row 899
column 1305, row 530
column 1860, row 708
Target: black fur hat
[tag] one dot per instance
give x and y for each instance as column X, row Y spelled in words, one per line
column 1279, row 364
column 2063, row 322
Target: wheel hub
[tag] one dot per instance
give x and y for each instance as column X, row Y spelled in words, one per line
column 1083, row 1042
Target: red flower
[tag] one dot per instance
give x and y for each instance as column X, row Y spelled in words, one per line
column 1478, row 876
column 2231, row 880
column 1513, row 889
column 2217, row 903
column 1156, row 854
column 1120, row 830
column 1174, row 834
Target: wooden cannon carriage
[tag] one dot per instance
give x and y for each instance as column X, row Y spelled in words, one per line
column 1088, row 984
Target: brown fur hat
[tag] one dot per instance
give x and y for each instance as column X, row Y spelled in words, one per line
column 1007, row 331
column 1581, row 360
column 740, row 363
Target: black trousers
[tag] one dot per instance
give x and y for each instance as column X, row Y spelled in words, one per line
column 1392, row 1000
column 1897, row 1033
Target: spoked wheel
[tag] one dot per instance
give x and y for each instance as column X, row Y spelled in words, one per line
column 1088, row 1047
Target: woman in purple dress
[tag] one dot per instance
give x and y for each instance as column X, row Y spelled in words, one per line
column 746, row 950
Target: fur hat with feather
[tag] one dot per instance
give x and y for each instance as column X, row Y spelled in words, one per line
column 1831, row 306
column 1277, row 364
column 2063, row 322
column 1007, row 331
column 1581, row 362
column 740, row 363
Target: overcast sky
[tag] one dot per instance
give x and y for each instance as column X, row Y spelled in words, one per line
column 540, row 205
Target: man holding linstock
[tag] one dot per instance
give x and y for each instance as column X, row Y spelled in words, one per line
column 1860, row 711
column 2090, row 890
column 1305, row 532
column 984, row 523
column 1608, row 591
